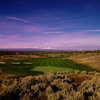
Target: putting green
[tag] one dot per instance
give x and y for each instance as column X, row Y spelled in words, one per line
column 51, row 69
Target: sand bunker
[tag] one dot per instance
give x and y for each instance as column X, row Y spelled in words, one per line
column 15, row 63
column 2, row 62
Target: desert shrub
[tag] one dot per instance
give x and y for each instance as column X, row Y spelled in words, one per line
column 7, row 82
column 77, row 71
column 98, row 94
column 42, row 86
column 41, row 78
column 26, row 82
column 78, row 96
column 84, row 72
column 89, row 88
column 66, row 78
column 26, row 97
column 52, row 96
column 35, row 88
column 68, row 72
column 50, row 76
column 59, row 94
column 94, row 97
column 91, row 73
column 56, row 81
column 64, row 86
column 73, row 96
column 97, row 74
column 49, row 89
column 60, row 76
column 10, row 92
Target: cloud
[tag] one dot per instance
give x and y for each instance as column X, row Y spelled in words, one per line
column 11, row 37
column 18, row 19
column 15, row 37
column 53, row 32
column 98, row 30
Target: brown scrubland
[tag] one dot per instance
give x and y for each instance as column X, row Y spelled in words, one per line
column 79, row 85
column 16, row 57
column 93, row 60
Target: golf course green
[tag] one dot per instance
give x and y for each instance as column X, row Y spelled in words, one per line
column 41, row 65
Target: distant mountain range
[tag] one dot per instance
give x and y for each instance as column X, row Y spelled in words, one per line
column 71, row 48
column 25, row 49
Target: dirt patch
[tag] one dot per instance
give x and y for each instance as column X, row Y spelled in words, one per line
column 15, row 63
column 78, row 79
column 27, row 63
column 5, row 76
column 2, row 62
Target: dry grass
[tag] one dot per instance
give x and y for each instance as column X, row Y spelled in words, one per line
column 16, row 57
column 91, row 59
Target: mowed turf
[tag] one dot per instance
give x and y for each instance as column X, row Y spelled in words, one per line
column 51, row 69
column 41, row 65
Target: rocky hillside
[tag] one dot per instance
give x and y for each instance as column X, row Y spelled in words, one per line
column 52, row 86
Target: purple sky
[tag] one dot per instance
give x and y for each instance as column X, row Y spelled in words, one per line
column 51, row 24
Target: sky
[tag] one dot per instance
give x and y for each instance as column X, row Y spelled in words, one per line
column 50, row 24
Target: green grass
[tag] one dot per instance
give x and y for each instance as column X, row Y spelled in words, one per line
column 50, row 69
column 41, row 65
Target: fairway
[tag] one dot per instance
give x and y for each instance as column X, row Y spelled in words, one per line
column 41, row 65
column 51, row 69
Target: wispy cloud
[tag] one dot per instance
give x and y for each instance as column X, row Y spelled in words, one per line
column 53, row 32
column 14, row 37
column 33, row 28
column 18, row 19
column 11, row 37
column 97, row 30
